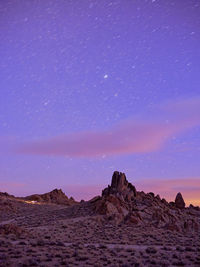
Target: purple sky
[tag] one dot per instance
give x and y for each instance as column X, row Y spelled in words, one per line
column 89, row 87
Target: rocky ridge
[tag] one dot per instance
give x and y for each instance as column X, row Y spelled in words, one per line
column 122, row 203
column 122, row 227
column 56, row 196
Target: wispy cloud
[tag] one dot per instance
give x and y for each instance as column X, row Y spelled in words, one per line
column 11, row 186
column 143, row 133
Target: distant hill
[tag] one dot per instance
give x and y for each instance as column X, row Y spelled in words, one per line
column 56, row 197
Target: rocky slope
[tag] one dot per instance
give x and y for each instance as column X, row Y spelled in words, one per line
column 11, row 206
column 122, row 203
column 56, row 197
column 122, row 227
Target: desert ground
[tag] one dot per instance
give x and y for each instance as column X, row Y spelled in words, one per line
column 98, row 232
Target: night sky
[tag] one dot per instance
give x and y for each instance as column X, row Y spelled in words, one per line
column 92, row 86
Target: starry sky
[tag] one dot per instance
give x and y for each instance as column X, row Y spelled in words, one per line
column 89, row 87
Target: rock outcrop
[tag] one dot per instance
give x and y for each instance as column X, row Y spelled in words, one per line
column 117, row 198
column 56, row 197
column 120, row 202
column 120, row 187
column 179, row 202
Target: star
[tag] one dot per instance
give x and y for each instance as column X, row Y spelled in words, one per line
column 46, row 103
column 105, row 76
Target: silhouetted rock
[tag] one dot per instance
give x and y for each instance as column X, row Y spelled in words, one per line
column 121, row 202
column 191, row 207
column 5, row 194
column 179, row 202
column 116, row 198
column 108, row 230
column 72, row 199
column 120, row 187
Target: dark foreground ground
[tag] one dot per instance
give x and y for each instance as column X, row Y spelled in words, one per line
column 56, row 235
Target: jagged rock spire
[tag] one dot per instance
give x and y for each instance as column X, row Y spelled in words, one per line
column 119, row 181
column 179, row 201
column 120, row 187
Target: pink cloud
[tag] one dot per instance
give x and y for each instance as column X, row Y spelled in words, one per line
column 148, row 133
column 11, row 187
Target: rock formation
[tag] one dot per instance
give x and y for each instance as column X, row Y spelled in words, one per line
column 56, row 197
column 122, row 227
column 117, row 199
column 179, row 202
column 121, row 203
column 120, row 187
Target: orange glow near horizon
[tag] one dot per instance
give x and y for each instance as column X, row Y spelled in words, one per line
column 166, row 188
